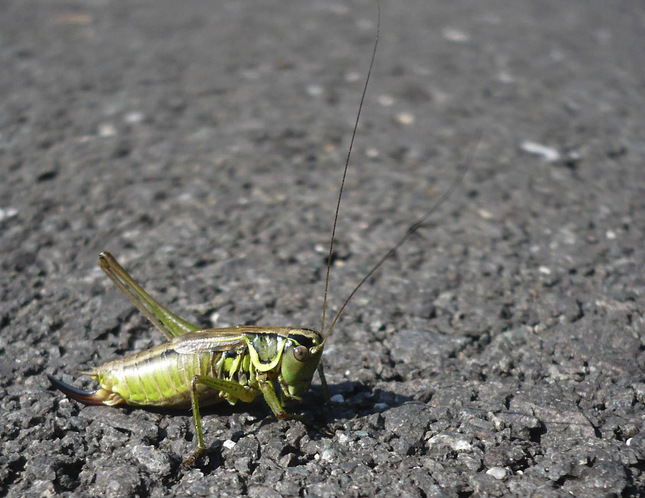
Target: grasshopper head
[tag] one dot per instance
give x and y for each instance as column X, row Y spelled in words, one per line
column 300, row 359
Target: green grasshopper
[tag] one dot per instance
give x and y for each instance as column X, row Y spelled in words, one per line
column 198, row 367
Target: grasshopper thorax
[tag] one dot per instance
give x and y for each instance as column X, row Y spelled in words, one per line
column 291, row 353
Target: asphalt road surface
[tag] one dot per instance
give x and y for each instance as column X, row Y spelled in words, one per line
column 500, row 352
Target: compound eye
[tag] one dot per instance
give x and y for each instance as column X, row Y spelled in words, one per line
column 301, row 353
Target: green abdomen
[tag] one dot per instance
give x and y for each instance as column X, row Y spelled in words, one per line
column 162, row 377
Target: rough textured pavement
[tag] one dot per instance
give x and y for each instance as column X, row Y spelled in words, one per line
column 501, row 352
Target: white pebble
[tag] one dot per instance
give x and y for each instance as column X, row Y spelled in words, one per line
column 498, row 473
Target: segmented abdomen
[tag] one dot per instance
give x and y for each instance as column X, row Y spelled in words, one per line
column 162, row 377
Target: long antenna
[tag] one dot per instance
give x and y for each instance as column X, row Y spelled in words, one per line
column 408, row 233
column 342, row 183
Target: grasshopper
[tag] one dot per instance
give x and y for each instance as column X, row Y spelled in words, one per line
column 198, row 367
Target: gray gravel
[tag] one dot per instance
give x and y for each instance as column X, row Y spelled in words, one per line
column 500, row 352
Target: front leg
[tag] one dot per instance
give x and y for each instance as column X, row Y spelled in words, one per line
column 268, row 390
column 323, row 381
column 277, row 406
